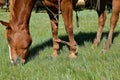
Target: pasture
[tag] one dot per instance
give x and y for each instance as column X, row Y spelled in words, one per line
column 90, row 63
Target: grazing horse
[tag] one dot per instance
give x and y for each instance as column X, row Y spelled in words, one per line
column 17, row 29
column 113, row 22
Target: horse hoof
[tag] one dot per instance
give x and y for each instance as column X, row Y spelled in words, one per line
column 72, row 56
column 103, row 51
column 95, row 45
column 50, row 57
column 54, row 55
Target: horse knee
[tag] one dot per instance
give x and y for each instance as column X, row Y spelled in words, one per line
column 55, row 46
column 102, row 21
column 69, row 29
column 114, row 19
column 102, row 18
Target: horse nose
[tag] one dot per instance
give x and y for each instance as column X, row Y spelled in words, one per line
column 14, row 58
column 17, row 61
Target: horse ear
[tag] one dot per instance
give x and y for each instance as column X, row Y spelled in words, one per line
column 5, row 23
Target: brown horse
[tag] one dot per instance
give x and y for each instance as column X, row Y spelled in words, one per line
column 17, row 29
column 113, row 22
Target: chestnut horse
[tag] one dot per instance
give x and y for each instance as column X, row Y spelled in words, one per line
column 17, row 29
column 113, row 22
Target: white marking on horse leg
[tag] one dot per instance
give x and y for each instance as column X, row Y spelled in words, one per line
column 10, row 54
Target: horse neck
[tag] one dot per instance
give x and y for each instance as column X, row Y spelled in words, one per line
column 20, row 11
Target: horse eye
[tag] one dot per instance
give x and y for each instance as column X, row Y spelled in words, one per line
column 9, row 40
column 8, row 27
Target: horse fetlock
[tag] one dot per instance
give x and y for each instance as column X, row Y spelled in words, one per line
column 74, row 48
column 56, row 47
column 107, row 46
column 72, row 55
column 73, row 52
column 96, row 43
column 55, row 53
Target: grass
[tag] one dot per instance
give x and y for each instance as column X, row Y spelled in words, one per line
column 89, row 65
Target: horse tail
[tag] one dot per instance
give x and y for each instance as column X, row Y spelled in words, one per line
column 77, row 18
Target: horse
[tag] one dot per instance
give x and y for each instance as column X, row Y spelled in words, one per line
column 113, row 22
column 98, row 5
column 17, row 29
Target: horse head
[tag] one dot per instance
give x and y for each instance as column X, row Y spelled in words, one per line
column 17, row 29
column 18, row 40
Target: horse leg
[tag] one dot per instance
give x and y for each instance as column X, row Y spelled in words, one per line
column 101, row 23
column 67, row 13
column 113, row 22
column 54, row 27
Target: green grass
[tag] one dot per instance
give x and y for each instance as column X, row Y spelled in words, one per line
column 89, row 65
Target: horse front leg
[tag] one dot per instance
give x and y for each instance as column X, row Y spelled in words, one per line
column 101, row 23
column 113, row 22
column 67, row 14
column 54, row 27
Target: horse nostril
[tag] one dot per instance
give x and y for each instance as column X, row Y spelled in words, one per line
column 17, row 61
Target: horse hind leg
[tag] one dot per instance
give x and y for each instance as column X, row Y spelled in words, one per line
column 113, row 22
column 101, row 23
